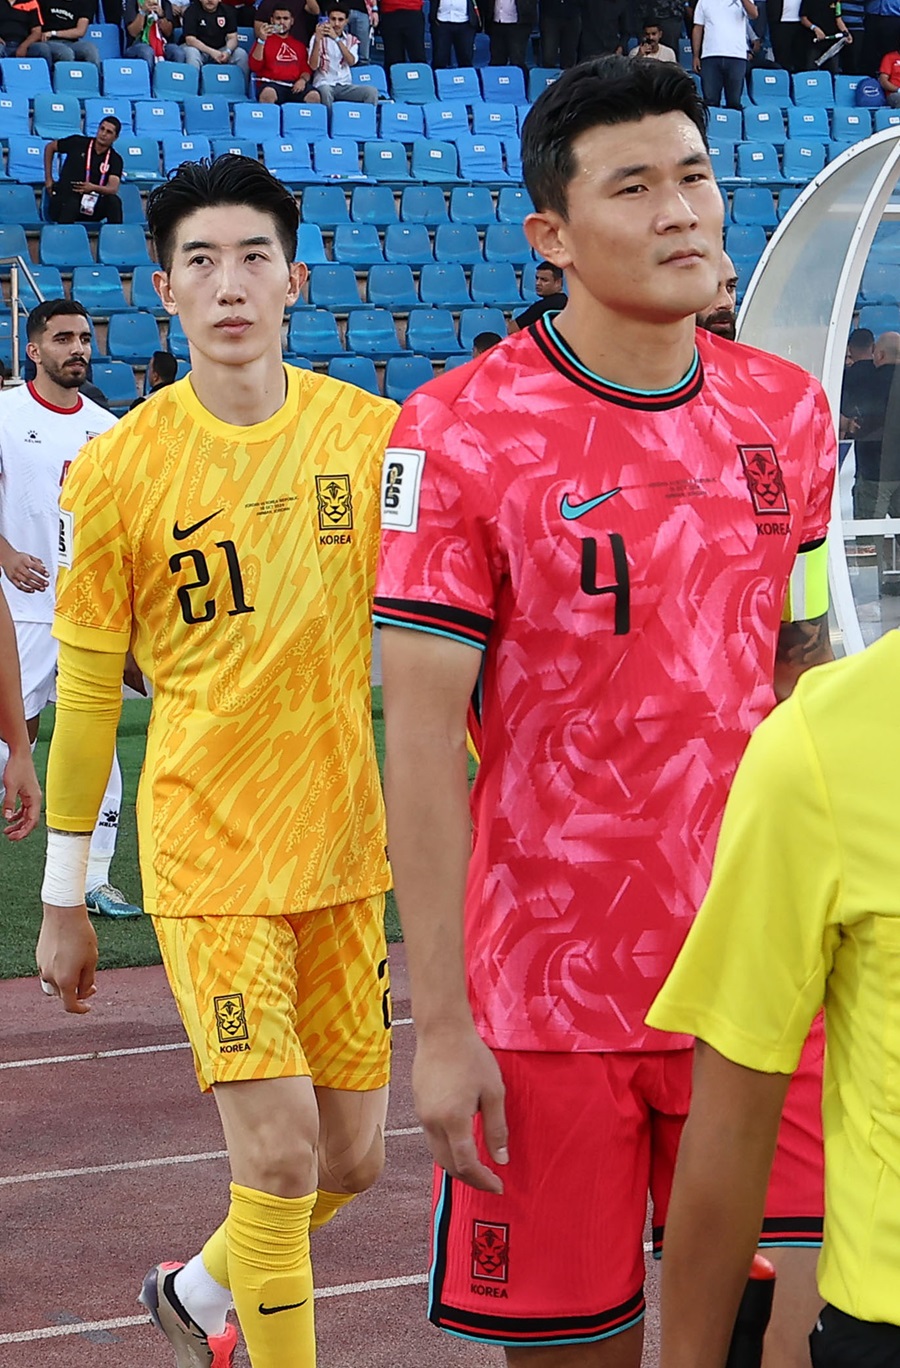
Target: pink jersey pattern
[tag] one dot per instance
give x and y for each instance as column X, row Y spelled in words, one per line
column 622, row 559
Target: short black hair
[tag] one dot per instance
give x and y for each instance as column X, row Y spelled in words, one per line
column 555, row 271
column 111, row 119
column 165, row 365
column 604, row 91
column 337, row 5
column 483, row 342
column 229, row 179
column 860, row 338
column 52, row 308
column 651, row 23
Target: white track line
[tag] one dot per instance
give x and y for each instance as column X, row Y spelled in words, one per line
column 126, row 1322
column 119, row 1054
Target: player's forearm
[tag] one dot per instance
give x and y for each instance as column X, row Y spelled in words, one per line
column 801, row 645
column 7, row 551
column 12, row 716
column 89, row 694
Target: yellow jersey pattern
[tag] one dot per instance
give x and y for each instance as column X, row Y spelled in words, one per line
column 238, row 565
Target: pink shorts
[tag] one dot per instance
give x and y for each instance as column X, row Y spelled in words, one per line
column 559, row 1257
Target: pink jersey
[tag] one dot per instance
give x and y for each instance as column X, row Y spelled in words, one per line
column 622, row 560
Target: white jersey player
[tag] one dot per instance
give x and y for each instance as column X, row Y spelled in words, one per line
column 43, row 426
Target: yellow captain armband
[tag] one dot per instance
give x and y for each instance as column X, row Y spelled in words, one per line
column 807, row 595
column 89, row 701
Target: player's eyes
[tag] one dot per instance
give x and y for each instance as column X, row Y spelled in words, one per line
column 632, row 189
column 696, row 178
column 198, row 260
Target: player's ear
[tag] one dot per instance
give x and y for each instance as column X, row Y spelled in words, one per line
column 546, row 231
column 299, row 274
column 31, row 351
column 164, row 290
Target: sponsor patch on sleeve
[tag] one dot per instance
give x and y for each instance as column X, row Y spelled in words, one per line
column 401, row 483
column 66, row 537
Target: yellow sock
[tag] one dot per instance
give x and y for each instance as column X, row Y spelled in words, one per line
column 327, row 1206
column 215, row 1256
column 270, row 1276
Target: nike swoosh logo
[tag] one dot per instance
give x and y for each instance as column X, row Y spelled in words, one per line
column 572, row 511
column 273, row 1310
column 179, row 533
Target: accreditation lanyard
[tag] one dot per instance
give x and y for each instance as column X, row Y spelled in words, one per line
column 104, row 165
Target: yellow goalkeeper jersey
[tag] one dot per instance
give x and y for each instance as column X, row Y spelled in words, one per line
column 238, row 564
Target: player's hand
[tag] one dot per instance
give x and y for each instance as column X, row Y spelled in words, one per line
column 133, row 676
column 696, row 66
column 27, row 572
column 21, row 788
column 67, row 956
column 455, row 1076
column 221, row 55
column 848, row 37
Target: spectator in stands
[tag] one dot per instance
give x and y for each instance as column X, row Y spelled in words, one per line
column 149, row 25
column 454, row 24
column 362, row 20
column 210, row 35
column 304, row 13
column 402, row 31
column 88, row 187
column 20, row 29
column 719, row 42
column 860, row 347
column 560, row 32
column 280, row 63
column 882, row 33
column 333, row 54
column 483, row 342
column 669, row 14
column 162, row 369
column 720, row 316
column 790, row 45
column 651, row 44
column 889, row 77
column 551, row 296
column 606, row 28
column 853, row 13
column 821, row 21
column 509, row 24
column 871, row 407
column 63, row 35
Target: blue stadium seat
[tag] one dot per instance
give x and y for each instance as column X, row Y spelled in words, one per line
column 803, row 159
column 501, row 121
column 408, row 244
column 522, row 112
column 301, row 362
column 13, row 242
column 403, row 374
column 333, row 286
column 529, row 282
column 833, row 150
column 207, row 115
column 15, row 117
column 6, row 341
column 325, row 205
column 175, row 81
column 884, row 118
column 65, row 245
column 314, row 333
column 336, row 157
column 373, row 75
column 99, row 289
column 26, row 160
column 307, row 121
column 745, row 243
column 813, row 88
column 156, row 118
column 386, row 161
column 122, row 245
column 24, row 75
column 310, row 247
column 424, row 204
column 722, row 155
column 227, row 81
column 446, row 119
column 502, row 85
column 117, row 382
column 140, row 157
column 132, row 206
column 481, row 159
column 176, row 341
column 758, row 162
column 288, row 159
column 880, row 318
column 49, row 282
column 763, row 124
column 754, row 204
column 132, row 337
column 107, row 39
column 241, row 147
column 458, row 83
column 495, row 285
column 401, row 122
column 475, row 321
column 472, row 204
column 97, row 108
column 257, row 121
column 845, row 91
column 512, row 155
column 809, row 122
column 18, row 205
column 539, row 78
column 246, row 39
column 355, row 370
column 458, row 242
column 435, row 162
column 507, row 242
column 371, row 332
column 177, row 149
column 128, row 79
column 357, row 245
column 392, row 287
column 513, row 204
column 412, row 82
column 726, row 125
column 852, row 125
column 432, row 332
column 768, row 86
column 143, row 295
column 454, row 362
column 786, row 198
column 443, row 285
column 373, row 204
column 76, row 78
column 355, row 121
column 881, row 283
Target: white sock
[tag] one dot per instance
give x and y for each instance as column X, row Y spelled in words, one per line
column 206, row 1301
column 103, row 840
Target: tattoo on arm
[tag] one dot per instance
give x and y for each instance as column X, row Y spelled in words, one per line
column 801, row 645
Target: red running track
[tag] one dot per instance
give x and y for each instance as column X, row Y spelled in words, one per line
column 112, row 1163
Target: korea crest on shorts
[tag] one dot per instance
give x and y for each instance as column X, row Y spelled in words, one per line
column 231, row 1018
column 490, row 1251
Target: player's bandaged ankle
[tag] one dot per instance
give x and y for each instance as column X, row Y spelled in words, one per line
column 65, row 869
column 327, row 1206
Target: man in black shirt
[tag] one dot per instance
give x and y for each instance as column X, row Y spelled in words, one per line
column 65, row 25
column 148, row 31
column 20, row 29
column 88, row 185
column 548, row 284
column 162, row 369
column 210, row 35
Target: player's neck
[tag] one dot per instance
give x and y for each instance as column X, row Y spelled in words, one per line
column 630, row 352
column 56, row 395
column 241, row 396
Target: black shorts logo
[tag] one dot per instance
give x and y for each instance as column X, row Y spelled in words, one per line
column 231, row 1019
column 490, row 1251
column 335, row 500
